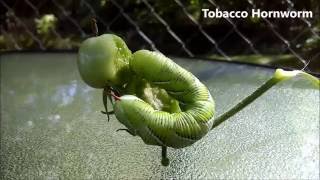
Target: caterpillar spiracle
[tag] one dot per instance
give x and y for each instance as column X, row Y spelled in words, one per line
column 155, row 98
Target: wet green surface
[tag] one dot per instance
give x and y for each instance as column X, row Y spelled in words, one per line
column 51, row 127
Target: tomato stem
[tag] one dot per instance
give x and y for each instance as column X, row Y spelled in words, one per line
column 279, row 75
column 94, row 26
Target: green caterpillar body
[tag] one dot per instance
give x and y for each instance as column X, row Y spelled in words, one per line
column 156, row 127
column 160, row 101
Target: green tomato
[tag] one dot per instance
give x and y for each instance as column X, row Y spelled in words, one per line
column 104, row 61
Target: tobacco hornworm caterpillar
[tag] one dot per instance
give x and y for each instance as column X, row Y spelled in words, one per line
column 155, row 98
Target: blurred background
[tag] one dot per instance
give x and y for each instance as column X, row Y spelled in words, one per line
column 174, row 27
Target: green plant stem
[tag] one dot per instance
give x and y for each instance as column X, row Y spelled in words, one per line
column 278, row 76
column 262, row 89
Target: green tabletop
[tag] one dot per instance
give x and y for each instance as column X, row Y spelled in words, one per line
column 51, row 127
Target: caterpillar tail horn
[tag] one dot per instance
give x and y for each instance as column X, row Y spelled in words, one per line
column 278, row 76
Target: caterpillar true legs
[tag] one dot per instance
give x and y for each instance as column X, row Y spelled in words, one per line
column 155, row 98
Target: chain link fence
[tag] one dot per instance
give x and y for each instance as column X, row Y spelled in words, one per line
column 173, row 27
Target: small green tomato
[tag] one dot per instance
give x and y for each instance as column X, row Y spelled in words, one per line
column 104, row 61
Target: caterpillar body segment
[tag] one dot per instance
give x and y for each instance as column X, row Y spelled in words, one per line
column 179, row 128
column 156, row 127
column 164, row 73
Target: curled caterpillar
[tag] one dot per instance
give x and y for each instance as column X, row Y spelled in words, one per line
column 191, row 107
column 155, row 98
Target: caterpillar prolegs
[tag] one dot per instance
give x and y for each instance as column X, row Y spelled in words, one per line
column 155, row 98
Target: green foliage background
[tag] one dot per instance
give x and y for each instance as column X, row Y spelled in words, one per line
column 63, row 24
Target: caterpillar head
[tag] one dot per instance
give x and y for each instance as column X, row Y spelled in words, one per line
column 104, row 61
